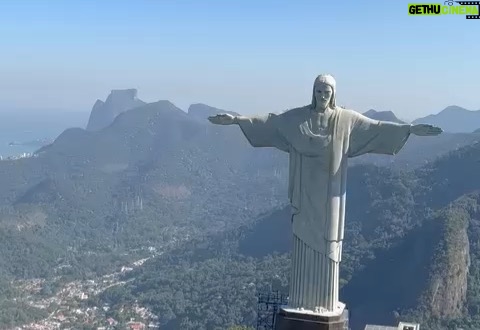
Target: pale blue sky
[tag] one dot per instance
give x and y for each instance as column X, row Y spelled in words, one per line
column 250, row 56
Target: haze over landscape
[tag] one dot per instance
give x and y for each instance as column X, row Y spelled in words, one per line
column 244, row 56
column 123, row 207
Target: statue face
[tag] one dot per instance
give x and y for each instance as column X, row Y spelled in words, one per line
column 323, row 94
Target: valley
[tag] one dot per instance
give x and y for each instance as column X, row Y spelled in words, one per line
column 159, row 213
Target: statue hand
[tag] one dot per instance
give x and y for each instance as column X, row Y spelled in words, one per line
column 425, row 130
column 223, row 119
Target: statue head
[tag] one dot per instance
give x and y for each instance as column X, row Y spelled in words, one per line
column 324, row 89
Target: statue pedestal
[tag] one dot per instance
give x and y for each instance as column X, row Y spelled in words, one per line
column 291, row 319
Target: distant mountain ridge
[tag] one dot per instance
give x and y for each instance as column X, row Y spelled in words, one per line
column 119, row 101
column 383, row 115
column 158, row 176
column 432, row 259
column 453, row 119
column 156, row 153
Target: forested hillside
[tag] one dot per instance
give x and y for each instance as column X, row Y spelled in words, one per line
column 207, row 214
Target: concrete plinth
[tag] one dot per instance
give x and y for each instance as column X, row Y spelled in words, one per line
column 291, row 320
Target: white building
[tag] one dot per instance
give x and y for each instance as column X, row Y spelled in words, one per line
column 401, row 326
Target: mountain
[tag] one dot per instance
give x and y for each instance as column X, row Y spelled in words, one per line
column 411, row 243
column 383, row 115
column 155, row 179
column 410, row 247
column 430, row 269
column 103, row 113
column 154, row 176
column 453, row 119
column 213, row 207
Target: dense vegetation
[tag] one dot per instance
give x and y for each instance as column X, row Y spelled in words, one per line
column 159, row 179
column 396, row 246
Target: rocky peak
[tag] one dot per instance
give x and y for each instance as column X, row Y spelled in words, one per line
column 117, row 102
column 382, row 115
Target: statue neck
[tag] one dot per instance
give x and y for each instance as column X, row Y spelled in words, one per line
column 320, row 110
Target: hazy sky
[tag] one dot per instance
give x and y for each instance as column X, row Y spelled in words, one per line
column 250, row 56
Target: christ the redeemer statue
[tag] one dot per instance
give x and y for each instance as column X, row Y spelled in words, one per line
column 319, row 138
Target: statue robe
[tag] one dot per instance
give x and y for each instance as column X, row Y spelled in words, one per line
column 317, row 188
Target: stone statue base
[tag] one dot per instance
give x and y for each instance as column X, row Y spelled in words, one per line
column 293, row 319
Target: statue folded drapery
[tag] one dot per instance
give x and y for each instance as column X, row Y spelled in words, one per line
column 317, row 187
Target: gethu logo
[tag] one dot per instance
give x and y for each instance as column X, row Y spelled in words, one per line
column 469, row 8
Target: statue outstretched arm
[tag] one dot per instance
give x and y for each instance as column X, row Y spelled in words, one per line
column 383, row 137
column 260, row 131
column 374, row 136
column 425, row 130
column 225, row 119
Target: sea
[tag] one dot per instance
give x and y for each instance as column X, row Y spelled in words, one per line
column 24, row 132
